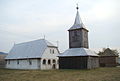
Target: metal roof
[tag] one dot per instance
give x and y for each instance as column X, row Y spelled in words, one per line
column 32, row 49
column 78, row 52
column 78, row 22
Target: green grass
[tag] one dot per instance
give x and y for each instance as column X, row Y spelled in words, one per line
column 100, row 74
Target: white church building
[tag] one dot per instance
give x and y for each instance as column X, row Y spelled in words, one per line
column 37, row 54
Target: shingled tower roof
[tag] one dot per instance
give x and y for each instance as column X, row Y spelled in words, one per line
column 78, row 22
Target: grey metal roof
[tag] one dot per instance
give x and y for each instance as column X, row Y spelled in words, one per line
column 78, row 23
column 32, row 49
column 78, row 52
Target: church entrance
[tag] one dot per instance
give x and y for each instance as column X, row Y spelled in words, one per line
column 54, row 66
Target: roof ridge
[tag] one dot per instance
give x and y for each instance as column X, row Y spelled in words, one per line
column 28, row 41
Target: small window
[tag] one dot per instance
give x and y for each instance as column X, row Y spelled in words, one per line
column 8, row 61
column 49, row 61
column 54, row 61
column 53, row 51
column 17, row 61
column 44, row 61
column 50, row 50
column 30, row 62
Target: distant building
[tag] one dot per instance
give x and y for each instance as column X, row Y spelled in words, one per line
column 38, row 54
column 119, row 60
column 2, row 59
column 108, row 58
column 78, row 56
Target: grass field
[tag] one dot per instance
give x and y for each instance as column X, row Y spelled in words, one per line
column 100, row 74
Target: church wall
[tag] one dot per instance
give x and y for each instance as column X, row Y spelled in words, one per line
column 75, row 39
column 47, row 66
column 93, row 62
column 85, row 38
column 78, row 38
column 83, row 62
column 50, row 54
column 73, row 62
column 23, row 64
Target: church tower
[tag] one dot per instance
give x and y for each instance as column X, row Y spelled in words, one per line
column 78, row 56
column 78, row 34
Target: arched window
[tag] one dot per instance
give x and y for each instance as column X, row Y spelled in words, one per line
column 54, row 61
column 49, row 61
column 44, row 61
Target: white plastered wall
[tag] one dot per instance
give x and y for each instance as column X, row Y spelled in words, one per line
column 23, row 64
column 50, row 56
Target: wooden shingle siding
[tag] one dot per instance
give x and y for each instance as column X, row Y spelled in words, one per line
column 73, row 62
column 108, row 61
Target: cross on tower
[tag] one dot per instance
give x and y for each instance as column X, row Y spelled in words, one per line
column 77, row 6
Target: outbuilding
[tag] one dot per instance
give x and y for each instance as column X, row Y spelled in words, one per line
column 108, row 58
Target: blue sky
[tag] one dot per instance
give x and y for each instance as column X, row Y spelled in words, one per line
column 27, row 20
